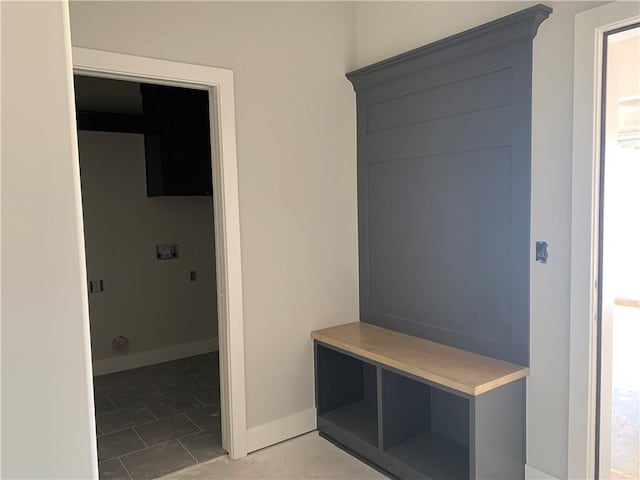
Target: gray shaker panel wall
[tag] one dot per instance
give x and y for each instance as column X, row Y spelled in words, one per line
column 444, row 183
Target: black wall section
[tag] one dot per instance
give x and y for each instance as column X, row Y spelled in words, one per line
column 444, row 186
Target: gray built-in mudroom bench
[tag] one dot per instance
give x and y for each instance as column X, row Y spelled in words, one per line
column 431, row 382
column 419, row 409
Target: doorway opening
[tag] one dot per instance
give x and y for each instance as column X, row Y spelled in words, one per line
column 618, row 402
column 146, row 179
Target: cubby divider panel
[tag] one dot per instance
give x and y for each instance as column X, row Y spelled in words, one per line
column 425, row 427
column 347, row 393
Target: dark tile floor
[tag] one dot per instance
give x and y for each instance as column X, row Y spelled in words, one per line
column 155, row 420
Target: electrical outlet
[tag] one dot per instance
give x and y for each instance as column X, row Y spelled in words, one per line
column 193, row 275
column 96, row 286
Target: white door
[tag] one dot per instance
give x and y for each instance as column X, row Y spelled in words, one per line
column 619, row 378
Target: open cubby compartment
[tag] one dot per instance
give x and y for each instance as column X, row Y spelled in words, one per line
column 347, row 394
column 425, row 427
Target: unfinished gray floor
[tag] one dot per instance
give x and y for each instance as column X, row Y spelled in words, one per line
column 306, row 457
column 158, row 419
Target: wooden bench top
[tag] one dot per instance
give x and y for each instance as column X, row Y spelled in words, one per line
column 451, row 367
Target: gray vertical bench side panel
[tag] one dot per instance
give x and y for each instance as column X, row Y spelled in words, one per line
column 498, row 433
column 444, row 181
column 380, row 398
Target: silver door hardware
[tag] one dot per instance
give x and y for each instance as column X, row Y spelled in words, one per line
column 542, row 252
column 96, row 286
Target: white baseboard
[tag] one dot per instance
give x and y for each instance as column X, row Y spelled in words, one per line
column 134, row 360
column 531, row 473
column 280, row 430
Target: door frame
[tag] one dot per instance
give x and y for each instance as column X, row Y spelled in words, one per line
column 590, row 28
column 219, row 83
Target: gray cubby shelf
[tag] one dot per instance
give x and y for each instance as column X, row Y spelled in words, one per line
column 425, row 427
column 433, row 455
column 348, row 397
column 414, row 417
column 359, row 418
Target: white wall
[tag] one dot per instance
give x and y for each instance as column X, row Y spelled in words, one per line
column 47, row 404
column 385, row 29
column 152, row 302
column 296, row 159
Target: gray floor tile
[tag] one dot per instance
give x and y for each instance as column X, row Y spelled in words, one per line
column 210, row 362
column 208, row 396
column 112, row 470
column 148, row 406
column 166, row 429
column 181, row 385
column 174, row 405
column 147, row 376
column 204, row 445
column 103, row 404
column 119, row 443
column 157, row 461
column 122, row 419
column 106, row 384
column 132, row 397
column 184, row 367
column 206, row 418
column 127, row 376
column 210, row 377
column 113, row 378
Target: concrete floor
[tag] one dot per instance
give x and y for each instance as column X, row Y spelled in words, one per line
column 306, row 457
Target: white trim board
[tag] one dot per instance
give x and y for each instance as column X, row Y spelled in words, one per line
column 280, row 430
column 531, row 473
column 220, row 85
column 157, row 355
